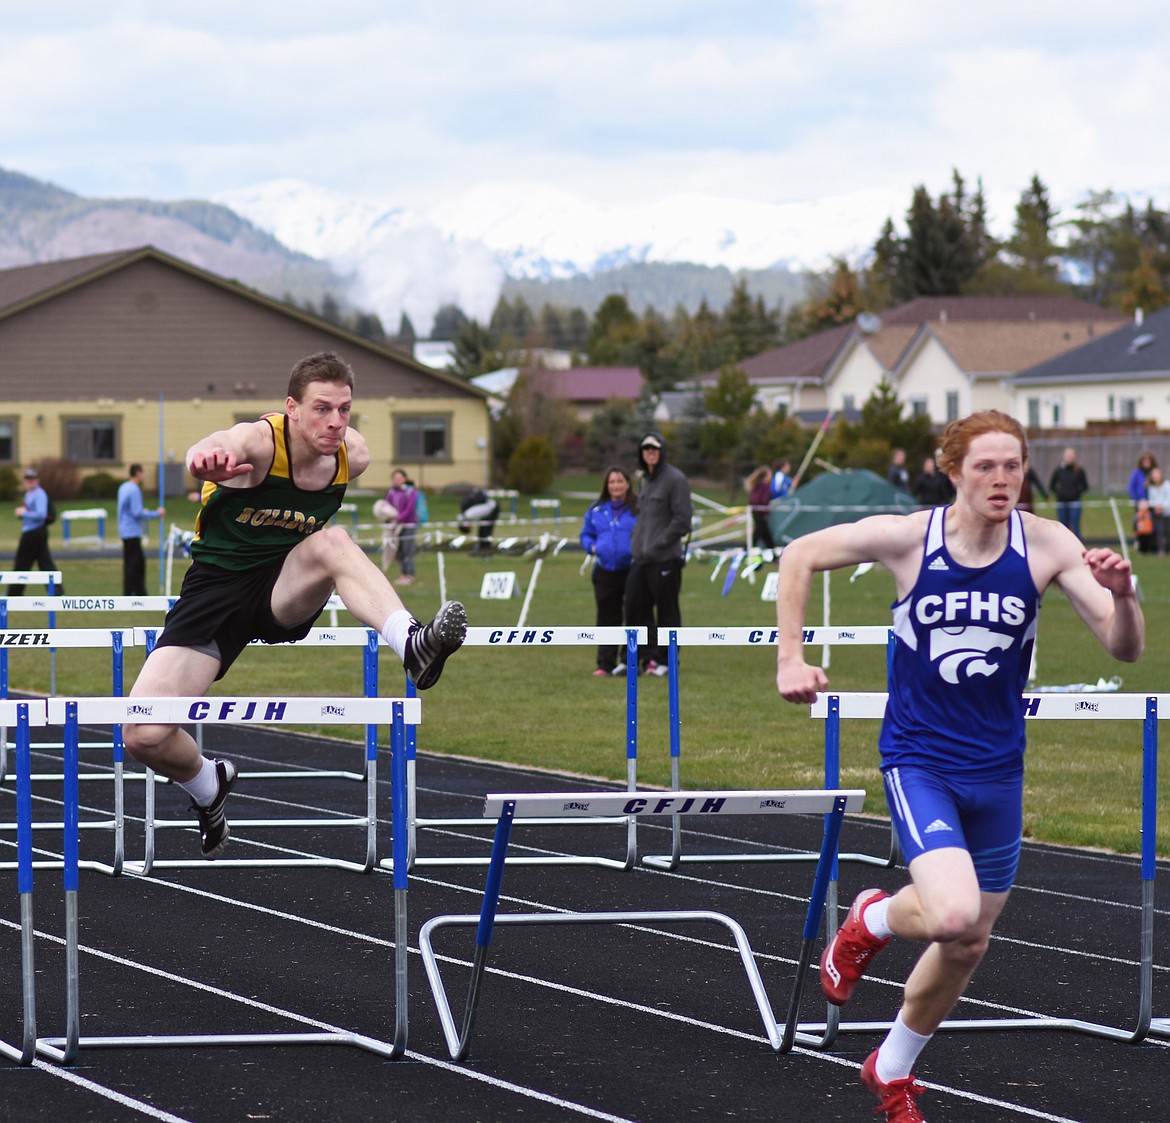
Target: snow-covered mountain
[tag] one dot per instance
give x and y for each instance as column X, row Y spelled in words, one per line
column 460, row 249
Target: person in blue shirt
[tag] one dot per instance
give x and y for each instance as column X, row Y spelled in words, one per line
column 605, row 533
column 968, row 581
column 131, row 515
column 33, row 546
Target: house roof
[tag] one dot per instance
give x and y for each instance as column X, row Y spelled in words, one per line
column 1009, row 346
column 968, row 309
column 1028, row 329
column 805, row 360
column 1135, row 351
column 27, row 286
column 590, row 384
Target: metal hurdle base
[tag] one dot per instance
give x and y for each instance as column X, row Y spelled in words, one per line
column 833, row 804
column 64, row 1049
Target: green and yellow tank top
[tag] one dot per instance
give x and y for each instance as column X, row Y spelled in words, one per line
column 243, row 528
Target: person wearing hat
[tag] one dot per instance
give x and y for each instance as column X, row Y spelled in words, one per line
column 33, row 513
column 655, row 578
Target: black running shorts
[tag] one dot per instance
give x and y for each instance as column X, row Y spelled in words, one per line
column 220, row 611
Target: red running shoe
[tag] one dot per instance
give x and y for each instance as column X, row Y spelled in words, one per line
column 897, row 1097
column 844, row 961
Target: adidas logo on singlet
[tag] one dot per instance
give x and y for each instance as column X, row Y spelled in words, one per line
column 938, row 563
column 937, row 825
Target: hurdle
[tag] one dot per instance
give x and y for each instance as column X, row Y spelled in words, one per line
column 96, row 515
column 24, row 715
column 71, row 712
column 505, row 808
column 530, row 637
column 1055, row 707
column 760, row 637
column 367, row 639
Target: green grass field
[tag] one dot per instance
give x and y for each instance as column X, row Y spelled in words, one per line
column 543, row 708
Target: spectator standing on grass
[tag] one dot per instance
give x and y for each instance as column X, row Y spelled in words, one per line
column 759, row 486
column 1067, row 485
column 605, row 534
column 131, row 515
column 781, row 478
column 1028, row 488
column 265, row 559
column 897, row 473
column 931, row 487
column 1139, row 476
column 403, row 497
column 659, row 550
column 968, row 581
column 33, row 546
column 1158, row 496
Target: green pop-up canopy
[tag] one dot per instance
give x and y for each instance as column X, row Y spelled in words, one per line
column 841, row 497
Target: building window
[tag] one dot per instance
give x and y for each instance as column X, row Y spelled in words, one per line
column 1033, row 413
column 418, row 437
column 918, row 407
column 952, row 406
column 848, row 403
column 1057, row 405
column 7, row 440
column 1129, row 409
column 92, row 441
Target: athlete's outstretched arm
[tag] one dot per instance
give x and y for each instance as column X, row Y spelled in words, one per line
column 229, row 453
column 1097, row 582
column 893, row 540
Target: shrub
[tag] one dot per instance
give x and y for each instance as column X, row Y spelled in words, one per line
column 60, row 477
column 9, row 484
column 532, row 467
column 100, row 485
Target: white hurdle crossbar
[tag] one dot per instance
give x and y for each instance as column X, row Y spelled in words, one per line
column 1146, row 708
column 529, row 638
column 71, row 712
column 868, row 636
column 504, row 808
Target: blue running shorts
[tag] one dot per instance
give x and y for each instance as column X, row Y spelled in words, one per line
column 983, row 817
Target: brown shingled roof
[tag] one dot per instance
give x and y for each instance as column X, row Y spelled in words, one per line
column 590, row 384
column 27, row 281
column 961, row 309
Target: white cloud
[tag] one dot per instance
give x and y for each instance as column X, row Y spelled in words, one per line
column 413, row 102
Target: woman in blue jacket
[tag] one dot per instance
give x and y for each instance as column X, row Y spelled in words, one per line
column 605, row 534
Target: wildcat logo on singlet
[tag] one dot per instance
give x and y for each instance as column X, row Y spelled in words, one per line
column 960, row 645
column 275, row 516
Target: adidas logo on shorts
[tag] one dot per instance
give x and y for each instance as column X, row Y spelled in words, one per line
column 937, row 825
column 938, row 563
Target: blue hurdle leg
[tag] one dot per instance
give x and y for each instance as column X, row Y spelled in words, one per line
column 825, row 872
column 487, row 920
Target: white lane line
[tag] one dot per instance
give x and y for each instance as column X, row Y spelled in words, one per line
column 108, row 1093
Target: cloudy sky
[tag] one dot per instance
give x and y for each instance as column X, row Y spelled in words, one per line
column 619, row 100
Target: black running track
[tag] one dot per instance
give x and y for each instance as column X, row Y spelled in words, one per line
column 650, row 1022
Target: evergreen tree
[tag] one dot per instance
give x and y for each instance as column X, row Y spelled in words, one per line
column 406, row 333
column 475, row 351
column 449, row 320
column 330, row 310
column 613, row 337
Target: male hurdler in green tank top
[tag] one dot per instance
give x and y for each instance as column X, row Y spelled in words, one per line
column 240, row 528
column 265, row 561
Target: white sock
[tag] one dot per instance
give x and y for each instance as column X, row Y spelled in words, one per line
column 204, row 787
column 874, row 919
column 899, row 1051
column 395, row 629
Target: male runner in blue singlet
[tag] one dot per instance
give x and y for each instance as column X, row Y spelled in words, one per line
column 265, row 563
column 969, row 579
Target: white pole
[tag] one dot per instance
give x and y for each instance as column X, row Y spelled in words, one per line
column 528, row 595
column 442, row 577
column 827, row 600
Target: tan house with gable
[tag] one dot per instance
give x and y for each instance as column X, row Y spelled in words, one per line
column 100, row 353
column 945, row 356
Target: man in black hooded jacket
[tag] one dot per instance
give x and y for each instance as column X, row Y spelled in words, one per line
column 664, row 521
